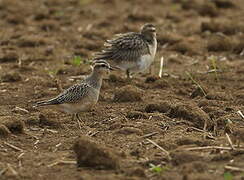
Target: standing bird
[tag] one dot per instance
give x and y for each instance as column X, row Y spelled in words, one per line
column 131, row 52
column 81, row 97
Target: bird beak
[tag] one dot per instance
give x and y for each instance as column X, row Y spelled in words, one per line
column 113, row 68
column 153, row 29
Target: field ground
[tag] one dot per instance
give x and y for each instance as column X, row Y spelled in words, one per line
column 202, row 43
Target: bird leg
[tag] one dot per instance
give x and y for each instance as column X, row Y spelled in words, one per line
column 78, row 117
column 128, row 74
column 78, row 120
column 73, row 117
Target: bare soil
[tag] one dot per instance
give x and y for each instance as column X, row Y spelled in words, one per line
column 202, row 43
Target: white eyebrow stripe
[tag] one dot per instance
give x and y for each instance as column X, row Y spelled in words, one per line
column 100, row 64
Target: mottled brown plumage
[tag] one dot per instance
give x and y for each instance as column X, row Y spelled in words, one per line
column 83, row 96
column 131, row 52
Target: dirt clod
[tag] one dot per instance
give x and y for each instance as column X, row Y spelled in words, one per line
column 151, row 79
column 198, row 92
column 91, row 154
column 179, row 158
column 162, row 107
column 190, row 112
column 31, row 41
column 169, row 38
column 224, row 3
column 139, row 172
column 208, row 9
column 184, row 48
column 223, row 26
column 40, row 41
column 4, row 131
column 219, row 96
column 116, row 79
column 219, row 43
column 239, row 47
column 11, row 77
column 129, row 130
column 196, row 166
column 187, row 141
column 128, row 94
column 44, row 121
column 14, row 124
column 136, row 115
column 9, row 57
column 222, row 157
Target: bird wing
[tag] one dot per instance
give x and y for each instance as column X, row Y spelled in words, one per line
column 72, row 95
column 124, row 47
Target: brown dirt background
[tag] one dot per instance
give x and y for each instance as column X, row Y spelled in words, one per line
column 38, row 41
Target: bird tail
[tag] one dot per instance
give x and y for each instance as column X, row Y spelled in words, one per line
column 45, row 103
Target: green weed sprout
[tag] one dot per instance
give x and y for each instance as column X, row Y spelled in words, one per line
column 157, row 168
column 77, row 61
column 195, row 82
column 213, row 60
column 228, row 176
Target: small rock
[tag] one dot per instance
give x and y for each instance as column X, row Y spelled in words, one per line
column 128, row 94
column 91, row 154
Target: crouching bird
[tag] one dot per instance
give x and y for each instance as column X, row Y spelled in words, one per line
column 83, row 96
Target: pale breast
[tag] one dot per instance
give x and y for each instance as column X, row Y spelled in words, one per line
column 153, row 48
column 145, row 62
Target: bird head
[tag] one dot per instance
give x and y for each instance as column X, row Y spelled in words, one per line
column 148, row 29
column 102, row 67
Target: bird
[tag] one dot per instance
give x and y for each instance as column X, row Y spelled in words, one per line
column 131, row 52
column 83, row 96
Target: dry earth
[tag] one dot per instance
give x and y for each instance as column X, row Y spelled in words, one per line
column 202, row 43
